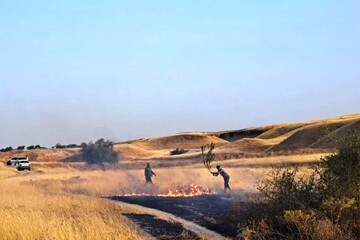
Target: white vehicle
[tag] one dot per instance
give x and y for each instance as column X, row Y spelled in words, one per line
column 23, row 164
column 14, row 160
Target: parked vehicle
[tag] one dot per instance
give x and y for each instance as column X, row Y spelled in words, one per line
column 14, row 160
column 23, row 164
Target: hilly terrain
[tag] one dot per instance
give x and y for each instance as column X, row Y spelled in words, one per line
column 311, row 136
column 69, row 190
column 287, row 138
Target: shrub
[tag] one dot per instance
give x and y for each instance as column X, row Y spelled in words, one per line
column 259, row 230
column 100, row 152
column 340, row 172
column 72, row 145
column 178, row 151
column 20, row 147
column 59, row 146
column 83, row 145
column 309, row 226
column 329, row 199
column 30, row 147
column 6, row 149
column 285, row 190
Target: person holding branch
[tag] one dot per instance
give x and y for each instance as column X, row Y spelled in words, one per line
column 207, row 158
column 225, row 175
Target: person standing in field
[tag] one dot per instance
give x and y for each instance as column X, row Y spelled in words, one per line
column 224, row 174
column 148, row 174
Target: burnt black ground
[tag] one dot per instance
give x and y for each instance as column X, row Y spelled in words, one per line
column 215, row 212
column 163, row 230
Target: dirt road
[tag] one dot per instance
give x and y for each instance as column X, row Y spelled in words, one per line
column 164, row 225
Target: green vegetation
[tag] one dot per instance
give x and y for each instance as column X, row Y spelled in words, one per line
column 100, row 152
column 325, row 205
column 178, row 151
column 6, row 149
column 71, row 145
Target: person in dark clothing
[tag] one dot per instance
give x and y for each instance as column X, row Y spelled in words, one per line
column 148, row 174
column 224, row 174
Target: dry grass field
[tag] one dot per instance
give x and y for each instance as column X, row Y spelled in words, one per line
column 60, row 199
column 28, row 211
column 62, row 202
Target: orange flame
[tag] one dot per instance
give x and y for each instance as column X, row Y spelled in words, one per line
column 184, row 191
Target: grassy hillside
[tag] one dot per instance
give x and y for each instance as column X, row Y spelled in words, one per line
column 41, row 155
column 313, row 136
column 308, row 136
column 160, row 147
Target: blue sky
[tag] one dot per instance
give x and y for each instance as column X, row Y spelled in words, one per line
column 73, row 71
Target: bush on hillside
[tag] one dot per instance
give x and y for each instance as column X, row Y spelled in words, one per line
column 178, row 151
column 72, row 145
column 326, row 204
column 59, row 146
column 285, row 190
column 6, row 149
column 100, row 152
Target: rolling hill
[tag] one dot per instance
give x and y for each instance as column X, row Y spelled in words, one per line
column 314, row 136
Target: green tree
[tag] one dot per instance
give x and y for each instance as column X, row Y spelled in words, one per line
column 340, row 172
column 6, row 149
column 100, row 152
column 339, row 181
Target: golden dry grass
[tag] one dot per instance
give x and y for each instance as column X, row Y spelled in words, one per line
column 28, row 212
column 250, row 145
column 56, row 201
column 280, row 137
column 40, row 155
column 160, row 147
column 308, row 135
column 181, row 140
column 244, row 175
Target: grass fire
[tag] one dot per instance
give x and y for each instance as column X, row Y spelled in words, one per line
column 151, row 192
column 190, row 190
